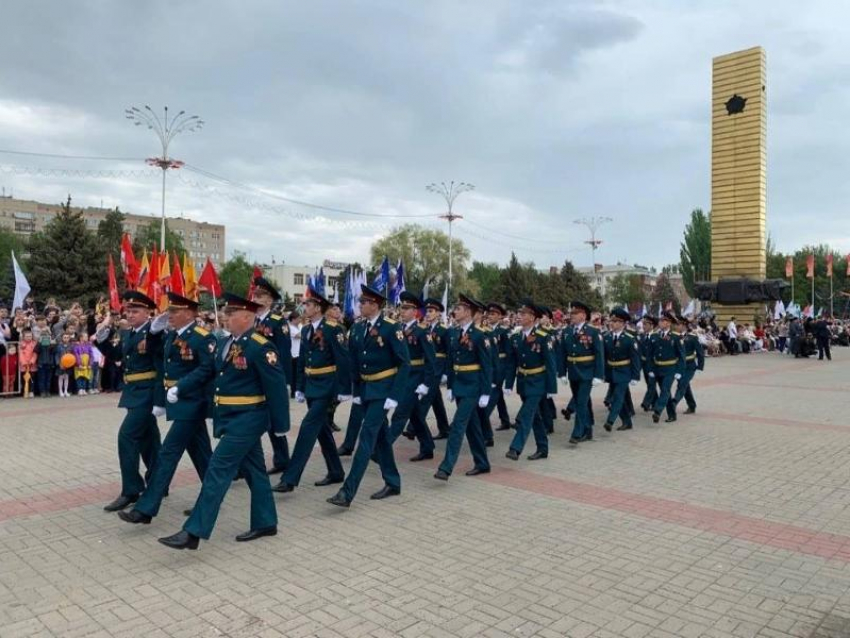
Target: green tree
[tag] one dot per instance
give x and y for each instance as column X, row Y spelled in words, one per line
column 9, row 242
column 66, row 261
column 149, row 236
column 110, row 231
column 664, row 293
column 486, row 277
column 625, row 289
column 235, row 275
column 516, row 282
column 577, row 287
column 695, row 251
column 425, row 254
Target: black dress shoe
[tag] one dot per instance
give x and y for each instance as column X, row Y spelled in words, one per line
column 440, row 436
column 272, row 471
column 646, row 408
column 538, row 455
column 513, row 455
column 339, row 500
column 608, row 426
column 283, row 488
column 254, row 534
column 503, row 426
column 422, row 456
column 344, row 451
column 408, row 435
column 573, row 441
column 477, row 470
column 385, row 492
column 624, row 427
column 656, row 417
column 441, row 476
column 335, row 427
column 134, row 516
column 120, row 503
column 670, row 419
column 328, row 480
column 567, row 414
column 489, row 443
column 180, row 540
column 691, row 411
column 187, row 512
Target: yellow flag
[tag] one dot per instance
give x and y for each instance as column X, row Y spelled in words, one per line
column 189, row 278
column 164, row 269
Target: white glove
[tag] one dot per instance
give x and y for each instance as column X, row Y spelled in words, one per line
column 443, row 380
column 171, row 395
column 632, row 382
column 483, row 400
column 507, row 392
column 158, row 411
column 208, row 422
column 422, row 389
column 356, row 401
column 449, row 396
column 280, row 435
column 299, row 396
column 389, row 404
column 596, row 382
column 159, row 323
column 564, row 380
column 342, row 398
column 677, row 376
column 551, row 396
column 651, row 375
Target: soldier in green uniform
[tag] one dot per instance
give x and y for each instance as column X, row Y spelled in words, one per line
column 423, row 361
column 694, row 360
column 667, row 363
column 531, row 363
column 622, row 369
column 138, row 436
column 495, row 314
column 189, row 368
column 355, row 415
column 324, row 375
column 248, row 379
column 585, row 366
column 434, row 310
column 479, row 316
column 380, row 366
column 548, row 410
column 469, row 381
column 274, row 328
column 650, row 323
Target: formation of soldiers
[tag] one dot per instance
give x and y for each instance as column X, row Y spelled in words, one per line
column 391, row 371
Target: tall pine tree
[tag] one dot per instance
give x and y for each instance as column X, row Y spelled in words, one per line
column 110, row 230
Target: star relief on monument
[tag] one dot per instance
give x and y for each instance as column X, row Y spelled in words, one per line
column 735, row 104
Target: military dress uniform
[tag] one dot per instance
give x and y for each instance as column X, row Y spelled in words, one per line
column 324, row 373
column 355, row 415
column 470, row 376
column 138, row 436
column 275, row 328
column 584, row 356
column 531, row 364
column 622, row 368
column 439, row 337
column 481, row 414
column 247, row 381
column 189, row 367
column 694, row 360
column 501, row 337
column 651, row 394
column 667, row 363
column 380, row 367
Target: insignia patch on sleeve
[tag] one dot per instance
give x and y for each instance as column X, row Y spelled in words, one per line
column 271, row 357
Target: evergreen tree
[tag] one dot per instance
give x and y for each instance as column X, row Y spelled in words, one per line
column 695, row 252
column 516, row 282
column 486, row 276
column 577, row 287
column 235, row 275
column 664, row 294
column 149, row 236
column 110, row 231
column 66, row 261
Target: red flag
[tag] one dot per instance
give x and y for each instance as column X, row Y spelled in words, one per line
column 789, row 267
column 114, row 300
column 829, row 265
column 154, row 284
column 257, row 273
column 810, row 266
column 128, row 263
column 177, row 278
column 209, row 279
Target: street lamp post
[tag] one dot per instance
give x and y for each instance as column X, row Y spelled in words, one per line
column 593, row 224
column 450, row 193
column 166, row 129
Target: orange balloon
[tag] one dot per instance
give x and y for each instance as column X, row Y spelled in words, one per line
column 67, row 361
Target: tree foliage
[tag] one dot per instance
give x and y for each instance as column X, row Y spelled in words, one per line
column 236, row 274
column 625, row 289
column 555, row 288
column 695, row 252
column 110, row 230
column 9, row 241
column 663, row 293
column 149, row 236
column 486, row 278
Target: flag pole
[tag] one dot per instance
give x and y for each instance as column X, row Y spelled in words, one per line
column 215, row 310
column 831, row 300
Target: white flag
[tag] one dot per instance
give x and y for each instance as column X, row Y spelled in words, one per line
column 446, row 303
column 22, row 287
column 778, row 310
column 689, row 309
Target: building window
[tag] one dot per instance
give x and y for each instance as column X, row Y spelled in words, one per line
column 24, row 227
column 24, row 215
column 298, row 279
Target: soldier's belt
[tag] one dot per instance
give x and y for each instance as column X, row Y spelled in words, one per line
column 618, row 364
column 250, row 399
column 315, row 372
column 503, row 355
column 441, row 355
column 139, row 376
column 691, row 357
column 417, row 362
column 585, row 359
column 527, row 372
column 666, row 362
column 378, row 376
column 472, row 367
column 643, row 358
column 169, row 383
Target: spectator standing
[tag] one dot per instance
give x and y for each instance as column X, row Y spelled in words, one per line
column 44, row 359
column 63, row 375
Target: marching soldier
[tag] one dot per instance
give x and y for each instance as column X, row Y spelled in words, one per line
column 355, row 415
column 622, row 369
column 585, row 367
column 412, row 406
column 139, row 435
column 247, row 398
column 469, row 379
column 189, row 367
column 434, row 310
column 324, row 375
column 694, row 360
column 481, row 414
column 274, row 328
column 531, row 362
column 495, row 314
column 667, row 362
column 650, row 323
column 548, row 409
column 380, row 365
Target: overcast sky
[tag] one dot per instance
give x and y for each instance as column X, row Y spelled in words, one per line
column 554, row 110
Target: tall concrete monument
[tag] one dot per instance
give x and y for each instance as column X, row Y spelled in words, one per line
column 738, row 175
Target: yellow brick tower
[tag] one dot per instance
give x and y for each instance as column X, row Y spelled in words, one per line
column 738, row 172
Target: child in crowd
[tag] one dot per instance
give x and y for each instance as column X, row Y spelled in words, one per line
column 28, row 362
column 97, row 362
column 63, row 374
column 44, row 353
column 83, row 371
column 9, row 368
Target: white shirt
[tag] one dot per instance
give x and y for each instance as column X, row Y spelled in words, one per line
column 295, row 338
column 732, row 329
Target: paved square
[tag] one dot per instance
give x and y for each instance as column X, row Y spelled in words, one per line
column 732, row 522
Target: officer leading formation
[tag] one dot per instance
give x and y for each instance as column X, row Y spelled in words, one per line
column 391, row 371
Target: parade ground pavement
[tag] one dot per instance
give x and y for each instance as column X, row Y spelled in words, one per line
column 731, row 522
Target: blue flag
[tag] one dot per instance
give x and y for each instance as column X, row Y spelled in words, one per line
column 382, row 279
column 398, row 287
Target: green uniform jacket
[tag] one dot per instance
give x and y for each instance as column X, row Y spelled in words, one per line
column 622, row 360
column 583, row 353
column 189, row 365
column 375, row 353
column 324, row 365
column 276, row 329
column 248, row 379
column 423, row 358
column 439, row 337
column 470, row 363
column 694, row 352
column 666, row 354
column 525, row 358
column 644, row 347
column 138, row 352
